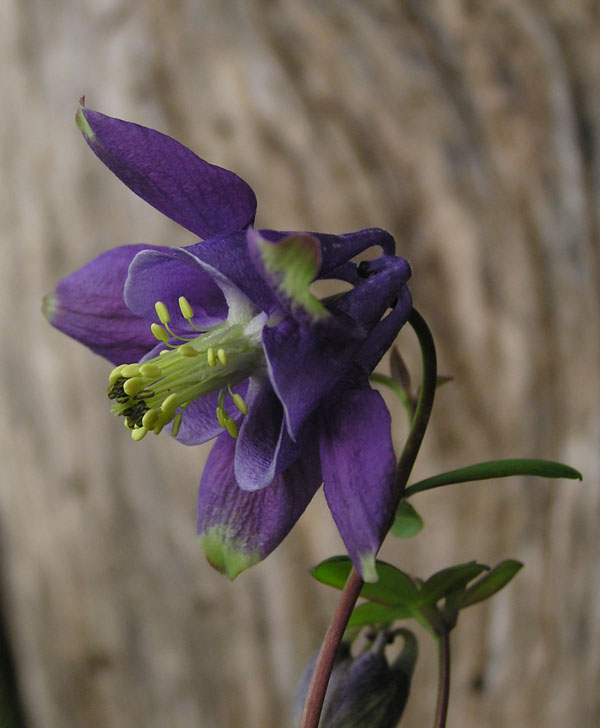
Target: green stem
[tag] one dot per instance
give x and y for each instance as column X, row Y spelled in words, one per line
column 443, row 696
column 331, row 642
column 424, row 406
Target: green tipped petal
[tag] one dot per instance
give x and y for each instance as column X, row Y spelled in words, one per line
column 83, row 126
column 368, row 570
column 50, row 306
column 290, row 266
column 224, row 554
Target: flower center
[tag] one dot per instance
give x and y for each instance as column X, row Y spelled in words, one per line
column 151, row 394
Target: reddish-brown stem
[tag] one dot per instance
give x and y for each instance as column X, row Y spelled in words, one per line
column 329, row 648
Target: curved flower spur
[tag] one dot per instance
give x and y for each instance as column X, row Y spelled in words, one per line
column 225, row 339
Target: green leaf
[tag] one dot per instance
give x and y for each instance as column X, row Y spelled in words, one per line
column 407, row 522
column 394, row 588
column 450, row 580
column 496, row 469
column 491, row 583
column 371, row 613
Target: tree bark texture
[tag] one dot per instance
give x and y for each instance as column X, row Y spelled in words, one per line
column 468, row 128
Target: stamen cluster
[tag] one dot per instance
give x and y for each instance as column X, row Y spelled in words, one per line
column 152, row 394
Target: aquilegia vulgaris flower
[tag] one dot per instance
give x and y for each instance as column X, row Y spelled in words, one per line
column 225, row 339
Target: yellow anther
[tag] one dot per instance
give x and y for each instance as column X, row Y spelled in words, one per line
column 210, row 356
column 222, row 417
column 222, row 356
column 158, row 428
column 187, row 350
column 164, row 351
column 170, row 403
column 150, row 371
column 162, row 312
column 231, row 428
column 186, row 310
column 138, row 433
column 176, row 425
column 133, row 386
column 159, row 333
column 150, row 418
column 130, row 370
column 239, row 402
column 115, row 374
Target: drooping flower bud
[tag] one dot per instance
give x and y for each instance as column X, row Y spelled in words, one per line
column 343, row 660
column 366, row 691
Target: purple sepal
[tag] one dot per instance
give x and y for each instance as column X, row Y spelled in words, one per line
column 264, row 447
column 305, row 362
column 88, row 305
column 229, row 255
column 201, row 197
column 382, row 336
column 165, row 276
column 380, row 284
column 237, row 529
column 358, row 462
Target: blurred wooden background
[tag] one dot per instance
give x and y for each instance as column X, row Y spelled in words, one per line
column 468, row 128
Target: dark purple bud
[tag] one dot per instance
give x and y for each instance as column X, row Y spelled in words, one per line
column 366, row 691
column 343, row 660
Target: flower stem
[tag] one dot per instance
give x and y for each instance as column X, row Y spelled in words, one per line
column 424, row 405
column 443, row 695
column 329, row 648
column 331, row 642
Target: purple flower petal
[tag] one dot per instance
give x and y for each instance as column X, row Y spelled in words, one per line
column 337, row 250
column 229, row 255
column 201, row 197
column 237, row 529
column 165, row 276
column 358, row 464
column 88, row 305
column 381, row 283
column 383, row 334
column 304, row 363
column 263, row 448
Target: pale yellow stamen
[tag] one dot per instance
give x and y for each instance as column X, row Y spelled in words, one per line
column 130, row 370
column 151, row 371
column 222, row 356
column 133, row 386
column 222, row 417
column 116, row 373
column 210, row 357
column 187, row 350
column 239, row 402
column 231, row 428
column 186, row 310
column 162, row 312
column 170, row 403
column 150, row 418
column 138, row 433
column 159, row 333
column 176, row 424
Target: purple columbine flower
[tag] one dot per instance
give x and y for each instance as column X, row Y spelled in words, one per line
column 225, row 339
